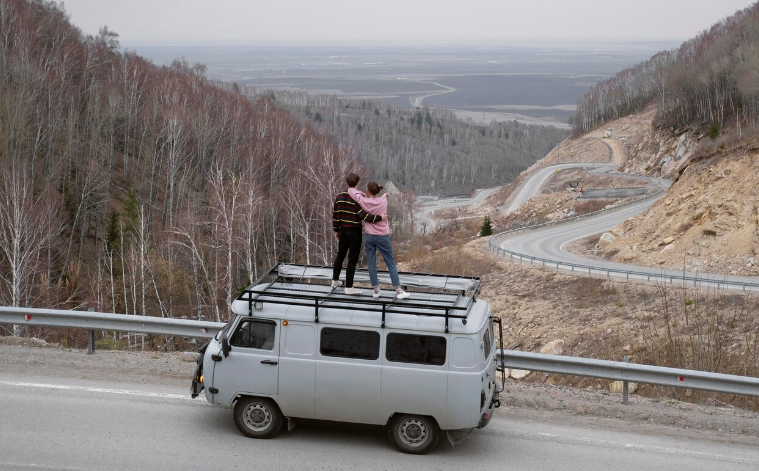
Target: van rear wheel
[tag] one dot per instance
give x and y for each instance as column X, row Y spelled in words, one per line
column 258, row 417
column 415, row 434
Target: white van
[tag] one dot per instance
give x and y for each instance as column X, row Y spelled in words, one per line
column 295, row 347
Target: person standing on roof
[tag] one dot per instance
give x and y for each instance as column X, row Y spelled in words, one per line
column 378, row 237
column 347, row 219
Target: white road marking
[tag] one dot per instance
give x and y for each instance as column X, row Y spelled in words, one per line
column 37, row 466
column 125, row 392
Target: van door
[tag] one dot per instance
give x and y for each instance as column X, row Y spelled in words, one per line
column 297, row 370
column 415, row 375
column 348, row 371
column 252, row 365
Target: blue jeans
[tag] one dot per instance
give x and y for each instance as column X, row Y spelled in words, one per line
column 372, row 243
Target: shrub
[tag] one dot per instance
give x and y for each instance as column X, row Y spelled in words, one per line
column 714, row 130
column 487, row 227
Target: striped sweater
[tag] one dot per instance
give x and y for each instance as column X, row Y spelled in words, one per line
column 346, row 213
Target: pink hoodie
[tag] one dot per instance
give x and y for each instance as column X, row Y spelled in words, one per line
column 373, row 206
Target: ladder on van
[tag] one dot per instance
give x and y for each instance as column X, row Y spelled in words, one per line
column 433, row 295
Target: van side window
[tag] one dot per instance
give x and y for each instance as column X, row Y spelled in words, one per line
column 350, row 343
column 422, row 349
column 255, row 334
column 486, row 340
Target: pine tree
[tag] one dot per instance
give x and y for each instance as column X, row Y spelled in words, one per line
column 487, row 227
column 113, row 233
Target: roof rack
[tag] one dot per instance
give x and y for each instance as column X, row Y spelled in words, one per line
column 445, row 296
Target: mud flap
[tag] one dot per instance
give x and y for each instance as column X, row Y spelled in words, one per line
column 455, row 440
column 291, row 423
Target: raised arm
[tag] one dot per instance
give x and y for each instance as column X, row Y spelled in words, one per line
column 360, row 198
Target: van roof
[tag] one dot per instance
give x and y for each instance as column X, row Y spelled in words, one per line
column 439, row 303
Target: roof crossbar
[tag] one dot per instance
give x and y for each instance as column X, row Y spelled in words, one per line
column 283, row 289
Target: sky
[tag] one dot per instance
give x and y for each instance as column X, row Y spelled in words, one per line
column 397, row 21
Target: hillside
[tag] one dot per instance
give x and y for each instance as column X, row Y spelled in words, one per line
column 428, row 151
column 710, row 80
column 689, row 115
column 132, row 188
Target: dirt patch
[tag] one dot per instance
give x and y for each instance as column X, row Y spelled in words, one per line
column 35, row 356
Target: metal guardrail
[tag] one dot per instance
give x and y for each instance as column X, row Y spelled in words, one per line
column 664, row 277
column 112, row 322
column 602, row 369
column 622, row 371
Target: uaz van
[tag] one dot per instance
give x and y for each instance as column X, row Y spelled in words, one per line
column 295, row 347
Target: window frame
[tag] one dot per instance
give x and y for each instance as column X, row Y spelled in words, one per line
column 245, row 321
column 363, row 358
column 445, row 349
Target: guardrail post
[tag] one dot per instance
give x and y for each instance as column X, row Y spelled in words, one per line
column 90, row 342
column 90, row 338
column 625, row 388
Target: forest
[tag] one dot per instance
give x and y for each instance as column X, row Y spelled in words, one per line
column 428, row 151
column 132, row 188
column 709, row 80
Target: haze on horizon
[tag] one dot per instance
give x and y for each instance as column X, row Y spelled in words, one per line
column 397, row 21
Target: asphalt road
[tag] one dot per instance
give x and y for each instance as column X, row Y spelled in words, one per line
column 536, row 181
column 49, row 424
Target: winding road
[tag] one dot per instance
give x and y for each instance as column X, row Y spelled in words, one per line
column 550, row 243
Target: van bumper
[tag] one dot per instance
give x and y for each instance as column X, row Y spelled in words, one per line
column 197, row 385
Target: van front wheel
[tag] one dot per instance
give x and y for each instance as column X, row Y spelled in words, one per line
column 415, row 434
column 258, row 417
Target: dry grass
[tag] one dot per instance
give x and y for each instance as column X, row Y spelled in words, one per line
column 589, row 206
column 702, row 329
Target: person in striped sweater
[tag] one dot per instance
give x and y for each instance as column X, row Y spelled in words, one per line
column 347, row 223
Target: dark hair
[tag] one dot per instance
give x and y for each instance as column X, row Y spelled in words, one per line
column 352, row 179
column 374, row 188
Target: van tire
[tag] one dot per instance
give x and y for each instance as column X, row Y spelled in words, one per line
column 414, row 434
column 258, row 417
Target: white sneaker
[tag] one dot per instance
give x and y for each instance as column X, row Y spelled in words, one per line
column 376, row 292
column 337, row 283
column 353, row 291
column 400, row 294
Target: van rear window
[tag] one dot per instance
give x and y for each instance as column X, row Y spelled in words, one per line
column 350, row 343
column 486, row 341
column 422, row 349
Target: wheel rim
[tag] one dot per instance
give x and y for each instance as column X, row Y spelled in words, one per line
column 413, row 431
column 257, row 417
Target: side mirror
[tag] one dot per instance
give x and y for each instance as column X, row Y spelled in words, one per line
column 225, row 347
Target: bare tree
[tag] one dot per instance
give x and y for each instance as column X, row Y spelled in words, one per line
column 29, row 224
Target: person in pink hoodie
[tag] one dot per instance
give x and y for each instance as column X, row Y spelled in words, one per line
column 377, row 237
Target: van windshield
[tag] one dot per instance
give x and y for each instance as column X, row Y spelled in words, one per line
column 226, row 327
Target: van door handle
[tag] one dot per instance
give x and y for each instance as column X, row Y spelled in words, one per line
column 268, row 362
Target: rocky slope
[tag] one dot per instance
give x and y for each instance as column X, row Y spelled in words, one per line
column 709, row 220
